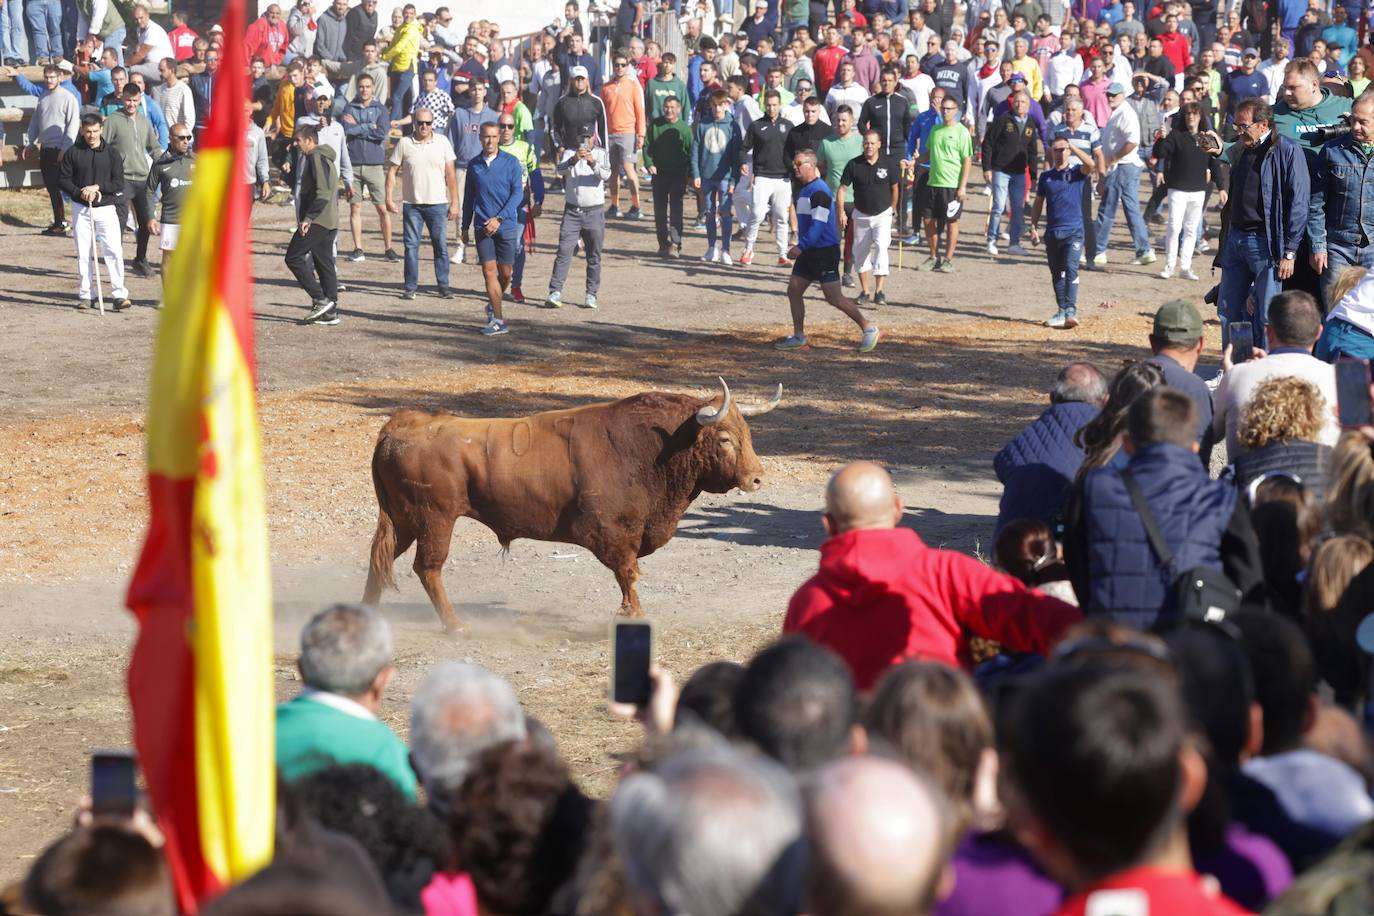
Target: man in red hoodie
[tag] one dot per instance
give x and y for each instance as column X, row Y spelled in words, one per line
column 882, row 596
column 1177, row 46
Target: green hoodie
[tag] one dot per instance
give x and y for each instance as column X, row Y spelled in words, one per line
column 1298, row 124
column 318, row 200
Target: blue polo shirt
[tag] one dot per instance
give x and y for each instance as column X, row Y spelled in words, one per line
column 494, row 189
column 1062, row 190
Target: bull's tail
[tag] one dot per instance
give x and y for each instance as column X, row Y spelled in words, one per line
column 380, row 572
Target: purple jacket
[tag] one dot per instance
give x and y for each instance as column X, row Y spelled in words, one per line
column 992, row 874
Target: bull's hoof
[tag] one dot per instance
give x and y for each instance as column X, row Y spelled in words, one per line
column 453, row 630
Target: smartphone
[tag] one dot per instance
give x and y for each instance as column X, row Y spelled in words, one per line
column 1242, row 341
column 114, row 792
column 632, row 643
column 1352, row 393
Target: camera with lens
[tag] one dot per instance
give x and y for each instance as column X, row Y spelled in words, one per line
column 1332, row 131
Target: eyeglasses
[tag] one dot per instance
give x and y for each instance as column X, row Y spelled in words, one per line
column 506, row 126
column 181, row 136
column 423, row 123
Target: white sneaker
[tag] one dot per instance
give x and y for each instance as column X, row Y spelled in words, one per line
column 1004, row 235
column 1146, row 258
column 1187, row 274
column 725, row 259
column 987, row 190
column 710, row 255
column 992, row 249
column 457, row 255
column 1100, row 260
column 1166, row 274
column 1202, row 246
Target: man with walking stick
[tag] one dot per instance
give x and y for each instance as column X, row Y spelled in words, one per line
column 92, row 175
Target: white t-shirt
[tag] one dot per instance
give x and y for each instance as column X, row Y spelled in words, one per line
column 1238, row 387
column 1123, row 127
column 156, row 38
column 1357, row 306
column 920, row 86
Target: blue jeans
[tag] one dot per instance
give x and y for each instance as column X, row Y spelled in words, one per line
column 45, row 25
column 1338, row 258
column 116, row 40
column 1004, row 185
column 433, row 217
column 1341, row 338
column 404, row 81
column 1246, row 271
column 1122, row 187
column 717, row 204
column 1062, row 252
column 14, row 44
column 70, row 14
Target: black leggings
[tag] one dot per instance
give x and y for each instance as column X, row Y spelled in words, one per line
column 50, row 168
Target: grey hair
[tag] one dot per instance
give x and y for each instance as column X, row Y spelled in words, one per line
column 458, row 711
column 344, row 648
column 712, row 832
column 1079, row 382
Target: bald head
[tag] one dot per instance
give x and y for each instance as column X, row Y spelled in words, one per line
column 878, row 839
column 860, row 495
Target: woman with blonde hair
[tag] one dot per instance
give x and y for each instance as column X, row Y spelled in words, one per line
column 1278, row 434
column 1340, row 592
column 1350, row 487
column 1349, row 329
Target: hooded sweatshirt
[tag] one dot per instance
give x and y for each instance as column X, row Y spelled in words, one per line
column 318, row 199
column 1299, row 123
column 882, row 597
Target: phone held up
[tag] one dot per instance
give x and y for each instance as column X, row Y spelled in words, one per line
column 114, row 791
column 1242, row 341
column 1352, row 393
column 632, row 643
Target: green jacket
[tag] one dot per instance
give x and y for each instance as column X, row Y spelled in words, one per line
column 318, row 198
column 657, row 91
column 171, row 175
column 313, row 734
column 669, row 147
column 136, row 141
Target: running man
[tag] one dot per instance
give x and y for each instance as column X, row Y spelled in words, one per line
column 816, row 257
column 949, row 150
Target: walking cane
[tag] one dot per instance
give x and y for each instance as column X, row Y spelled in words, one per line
column 95, row 254
column 901, row 221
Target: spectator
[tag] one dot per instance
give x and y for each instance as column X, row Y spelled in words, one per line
column 715, row 166
column 949, row 150
column 579, row 112
column 268, row 37
column 429, row 196
column 1286, row 514
column 402, row 54
column 576, row 56
column 182, row 36
column 1338, row 229
column 53, row 128
column 292, row 101
column 203, row 91
column 1279, row 432
column 457, row 712
column 98, row 20
column 153, row 44
column 1350, row 487
column 846, row 91
column 1101, row 780
column 1188, row 170
column 256, row 162
column 367, row 125
column 1315, row 790
column 1027, row 551
column 300, row 25
column 131, row 135
column 1335, row 602
column 1120, row 150
column 1293, row 330
column 796, row 703
column 331, row 37
column 664, row 85
column 882, row 596
column 877, row 190
column 584, row 171
column 438, row 103
column 1177, row 342
column 360, row 28
column 767, row 170
column 623, row 99
column 667, row 156
column 310, row 254
column 1116, row 571
column 174, row 97
column 1035, row 468
column 103, row 867
column 169, row 179
column 708, row 697
column 1008, row 155
column 878, row 839
column 710, row 831
column 531, row 203
column 346, row 665
column 492, row 199
column 1058, row 190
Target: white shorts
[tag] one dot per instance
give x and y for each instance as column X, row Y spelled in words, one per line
column 168, row 239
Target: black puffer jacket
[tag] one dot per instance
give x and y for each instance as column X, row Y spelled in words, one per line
column 1306, row 461
column 83, row 166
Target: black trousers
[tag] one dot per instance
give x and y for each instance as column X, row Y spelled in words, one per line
column 312, row 255
column 50, row 167
column 668, row 191
column 136, row 193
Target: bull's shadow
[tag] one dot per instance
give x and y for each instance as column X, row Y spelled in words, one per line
column 758, row 524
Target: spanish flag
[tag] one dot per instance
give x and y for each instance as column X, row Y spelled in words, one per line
column 200, row 679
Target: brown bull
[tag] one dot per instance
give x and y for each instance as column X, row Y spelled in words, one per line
column 613, row 478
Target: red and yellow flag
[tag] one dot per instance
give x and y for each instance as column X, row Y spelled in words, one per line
column 200, row 680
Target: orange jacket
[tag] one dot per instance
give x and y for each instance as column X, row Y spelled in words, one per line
column 624, row 100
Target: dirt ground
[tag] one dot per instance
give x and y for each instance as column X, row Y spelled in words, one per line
column 964, row 362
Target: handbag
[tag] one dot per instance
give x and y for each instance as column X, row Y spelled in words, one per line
column 1200, row 593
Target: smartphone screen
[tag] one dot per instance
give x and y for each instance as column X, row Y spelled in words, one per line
column 114, row 792
column 1352, row 393
column 1242, row 341
column 631, row 651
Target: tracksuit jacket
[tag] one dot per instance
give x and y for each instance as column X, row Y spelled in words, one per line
column 766, row 140
column 574, row 112
column 890, row 116
column 367, row 138
column 1010, row 148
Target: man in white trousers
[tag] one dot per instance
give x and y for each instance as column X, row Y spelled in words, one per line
column 746, row 111
column 92, row 175
column 767, row 173
column 876, row 182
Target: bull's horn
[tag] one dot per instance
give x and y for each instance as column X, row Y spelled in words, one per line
column 708, row 415
column 762, row 409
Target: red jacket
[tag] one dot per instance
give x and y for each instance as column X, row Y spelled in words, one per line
column 1151, row 891
column 882, row 597
column 266, row 41
column 1178, row 49
column 826, row 63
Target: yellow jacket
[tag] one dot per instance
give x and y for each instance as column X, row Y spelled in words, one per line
column 405, row 47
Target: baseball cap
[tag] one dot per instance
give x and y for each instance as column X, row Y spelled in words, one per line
column 577, row 71
column 1178, row 322
column 1016, row 78
column 65, row 66
column 1251, row 52
column 760, row 3
column 1116, row 89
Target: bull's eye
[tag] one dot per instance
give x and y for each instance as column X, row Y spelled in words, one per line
column 725, row 440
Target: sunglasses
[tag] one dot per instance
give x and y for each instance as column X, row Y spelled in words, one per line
column 423, row 123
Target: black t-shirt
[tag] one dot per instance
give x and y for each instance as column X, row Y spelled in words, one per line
column 872, row 183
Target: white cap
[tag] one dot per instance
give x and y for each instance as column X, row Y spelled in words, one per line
column 65, row 66
column 577, row 71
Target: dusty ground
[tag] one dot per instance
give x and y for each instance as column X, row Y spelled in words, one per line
column 963, row 364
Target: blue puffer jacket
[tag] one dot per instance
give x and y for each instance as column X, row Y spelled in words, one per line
column 1126, row 580
column 1037, row 466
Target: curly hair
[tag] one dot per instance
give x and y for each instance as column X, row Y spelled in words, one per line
column 1282, row 409
column 518, row 828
